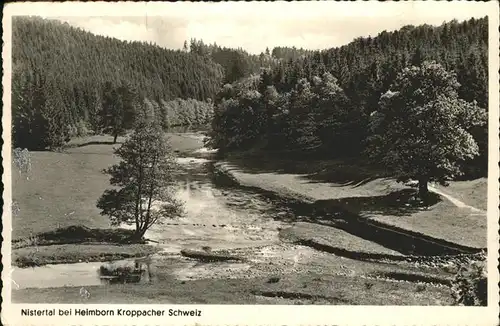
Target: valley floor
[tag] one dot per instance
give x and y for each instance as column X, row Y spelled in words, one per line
column 286, row 258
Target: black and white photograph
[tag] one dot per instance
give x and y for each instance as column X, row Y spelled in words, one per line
column 249, row 153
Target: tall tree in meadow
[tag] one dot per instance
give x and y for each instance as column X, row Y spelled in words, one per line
column 422, row 129
column 118, row 109
column 143, row 178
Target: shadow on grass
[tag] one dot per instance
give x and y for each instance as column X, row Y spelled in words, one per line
column 339, row 172
column 352, row 214
column 95, row 143
column 348, row 214
column 80, row 234
column 403, row 202
column 336, row 212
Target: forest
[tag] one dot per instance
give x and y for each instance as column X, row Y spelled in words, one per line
column 67, row 82
column 324, row 102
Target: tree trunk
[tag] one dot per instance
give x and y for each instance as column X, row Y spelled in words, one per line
column 423, row 190
column 114, row 138
column 139, row 233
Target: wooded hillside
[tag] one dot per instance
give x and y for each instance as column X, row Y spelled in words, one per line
column 322, row 102
column 61, row 76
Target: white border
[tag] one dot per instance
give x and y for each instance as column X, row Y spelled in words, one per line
column 258, row 314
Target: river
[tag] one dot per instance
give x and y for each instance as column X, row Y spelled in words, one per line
column 226, row 220
column 217, row 217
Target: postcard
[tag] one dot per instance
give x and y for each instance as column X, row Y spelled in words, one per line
column 250, row 163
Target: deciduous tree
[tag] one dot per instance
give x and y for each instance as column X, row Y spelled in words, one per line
column 422, row 129
column 143, row 179
column 118, row 109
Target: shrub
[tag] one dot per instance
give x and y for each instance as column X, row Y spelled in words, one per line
column 29, row 260
column 470, row 284
column 122, row 273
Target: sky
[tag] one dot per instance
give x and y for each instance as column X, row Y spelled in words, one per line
column 254, row 26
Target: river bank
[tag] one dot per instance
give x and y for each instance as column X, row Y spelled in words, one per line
column 276, row 259
column 56, row 220
column 379, row 201
column 297, row 288
column 76, row 244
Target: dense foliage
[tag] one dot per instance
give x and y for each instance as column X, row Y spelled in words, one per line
column 64, row 78
column 422, row 130
column 322, row 101
column 470, row 286
column 181, row 112
column 237, row 63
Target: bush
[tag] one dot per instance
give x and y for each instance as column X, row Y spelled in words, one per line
column 121, row 273
column 470, row 284
column 82, row 129
column 30, row 260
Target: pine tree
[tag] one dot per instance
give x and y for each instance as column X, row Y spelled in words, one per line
column 303, row 133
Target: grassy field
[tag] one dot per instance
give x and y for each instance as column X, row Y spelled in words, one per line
column 369, row 194
column 60, row 191
column 296, row 289
column 333, row 238
column 473, row 193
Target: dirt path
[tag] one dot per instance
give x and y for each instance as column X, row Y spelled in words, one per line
column 457, row 202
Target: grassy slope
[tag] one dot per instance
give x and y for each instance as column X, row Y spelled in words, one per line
column 73, row 253
column 473, row 193
column 61, row 190
column 332, row 237
column 442, row 221
column 373, row 196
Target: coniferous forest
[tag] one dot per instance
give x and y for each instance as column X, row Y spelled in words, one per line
column 324, row 102
column 66, row 82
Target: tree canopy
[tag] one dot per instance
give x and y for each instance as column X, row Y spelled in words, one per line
column 321, row 101
column 422, row 129
column 142, row 178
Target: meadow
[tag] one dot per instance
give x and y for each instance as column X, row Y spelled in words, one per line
column 456, row 214
column 59, row 192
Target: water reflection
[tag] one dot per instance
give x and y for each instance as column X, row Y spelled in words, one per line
column 60, row 275
column 126, row 271
column 216, row 217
